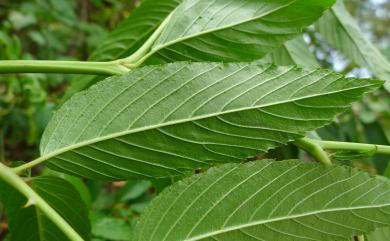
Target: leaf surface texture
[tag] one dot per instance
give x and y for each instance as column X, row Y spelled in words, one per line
column 267, row 200
column 161, row 121
column 233, row 30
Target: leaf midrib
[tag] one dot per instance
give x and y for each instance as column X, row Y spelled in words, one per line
column 200, row 117
column 265, row 221
column 181, row 39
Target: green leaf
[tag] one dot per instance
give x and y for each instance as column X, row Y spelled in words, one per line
column 77, row 183
column 110, row 228
column 294, row 52
column 238, row 30
column 161, row 121
column 267, row 200
column 125, row 39
column 339, row 28
column 29, row 223
column 132, row 32
column 380, row 234
column 228, row 39
column 133, row 190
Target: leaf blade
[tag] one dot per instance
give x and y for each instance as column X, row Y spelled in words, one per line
column 280, row 201
column 232, row 30
column 339, row 28
column 294, row 52
column 131, row 126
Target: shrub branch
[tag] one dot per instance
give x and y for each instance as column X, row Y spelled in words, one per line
column 8, row 175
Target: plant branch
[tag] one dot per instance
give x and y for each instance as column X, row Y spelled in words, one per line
column 336, row 145
column 65, row 67
column 29, row 165
column 8, row 175
column 314, row 149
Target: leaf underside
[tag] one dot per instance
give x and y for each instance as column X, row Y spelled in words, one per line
column 294, row 52
column 233, row 30
column 207, row 32
column 160, row 121
column 31, row 224
column 339, row 28
column 267, row 200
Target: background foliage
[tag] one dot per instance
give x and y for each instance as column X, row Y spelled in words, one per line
column 52, row 29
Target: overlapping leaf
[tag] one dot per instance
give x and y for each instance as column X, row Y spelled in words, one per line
column 234, row 30
column 160, row 121
column 266, row 200
column 295, row 52
column 130, row 34
column 31, row 224
column 339, row 28
column 292, row 52
column 240, row 38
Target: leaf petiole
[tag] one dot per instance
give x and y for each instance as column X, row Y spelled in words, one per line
column 65, row 67
column 29, row 165
column 314, row 149
column 337, row 145
column 137, row 58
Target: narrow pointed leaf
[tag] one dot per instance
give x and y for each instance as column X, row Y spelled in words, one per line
column 266, row 200
column 29, row 223
column 233, row 30
column 339, row 28
column 160, row 121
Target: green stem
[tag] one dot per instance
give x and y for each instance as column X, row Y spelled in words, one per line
column 314, row 149
column 335, row 145
column 16, row 182
column 360, row 238
column 65, row 67
column 138, row 57
column 29, row 165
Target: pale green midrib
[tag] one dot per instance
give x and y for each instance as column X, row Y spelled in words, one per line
column 259, row 222
column 377, row 53
column 146, row 128
column 169, row 43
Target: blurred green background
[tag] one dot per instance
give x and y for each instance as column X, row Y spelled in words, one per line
column 71, row 29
